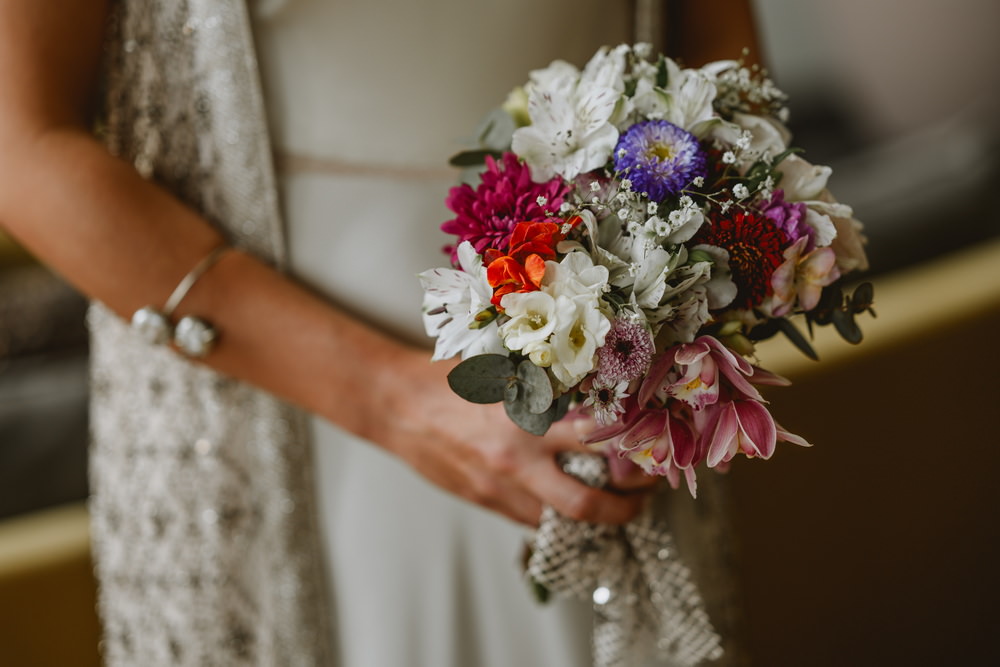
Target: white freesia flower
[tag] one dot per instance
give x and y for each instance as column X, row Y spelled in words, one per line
column 571, row 129
column 533, row 317
column 452, row 299
column 540, row 353
column 575, row 344
column 802, row 181
column 611, row 250
column 576, row 277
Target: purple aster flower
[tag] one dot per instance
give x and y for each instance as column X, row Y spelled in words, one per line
column 626, row 353
column 506, row 195
column 660, row 158
column 789, row 217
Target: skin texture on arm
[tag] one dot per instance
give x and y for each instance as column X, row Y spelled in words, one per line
column 127, row 242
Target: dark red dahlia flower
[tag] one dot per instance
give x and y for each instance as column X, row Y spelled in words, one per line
column 755, row 245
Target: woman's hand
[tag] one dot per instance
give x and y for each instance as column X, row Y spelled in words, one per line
column 476, row 452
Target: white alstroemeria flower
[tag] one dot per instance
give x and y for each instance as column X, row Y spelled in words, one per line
column 688, row 317
column 802, row 181
column 686, row 101
column 575, row 344
column 720, row 288
column 571, row 130
column 533, row 317
column 684, row 223
column 651, row 278
column 452, row 299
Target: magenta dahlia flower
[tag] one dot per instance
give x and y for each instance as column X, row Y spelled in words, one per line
column 506, row 195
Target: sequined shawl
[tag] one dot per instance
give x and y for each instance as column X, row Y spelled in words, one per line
column 202, row 500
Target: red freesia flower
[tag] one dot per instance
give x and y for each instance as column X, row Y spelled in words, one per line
column 522, row 269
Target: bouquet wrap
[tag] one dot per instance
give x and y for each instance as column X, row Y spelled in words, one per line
column 645, row 599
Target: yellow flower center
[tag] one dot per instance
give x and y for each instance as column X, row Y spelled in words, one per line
column 661, row 151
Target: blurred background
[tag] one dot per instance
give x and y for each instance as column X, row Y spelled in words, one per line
column 874, row 547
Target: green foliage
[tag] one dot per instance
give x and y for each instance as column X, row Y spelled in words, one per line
column 483, row 378
column 834, row 307
column 524, row 388
column 473, row 158
column 839, row 309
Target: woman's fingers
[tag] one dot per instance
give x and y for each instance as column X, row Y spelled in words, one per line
column 627, row 476
column 574, row 499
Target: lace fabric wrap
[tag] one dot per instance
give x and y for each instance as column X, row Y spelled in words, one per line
column 204, row 525
column 646, row 603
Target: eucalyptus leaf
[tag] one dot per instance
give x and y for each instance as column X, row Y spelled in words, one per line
column 512, row 392
column 763, row 331
column 483, row 378
column 798, row 340
column 536, row 424
column 560, row 407
column 534, row 387
column 862, row 298
column 472, row 158
column 843, row 322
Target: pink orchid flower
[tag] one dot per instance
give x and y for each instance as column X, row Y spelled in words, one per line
column 691, row 372
column 731, row 427
column 660, row 441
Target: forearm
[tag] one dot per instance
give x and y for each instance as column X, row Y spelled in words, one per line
column 127, row 242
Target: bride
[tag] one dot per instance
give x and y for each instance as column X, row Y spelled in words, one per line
column 230, row 527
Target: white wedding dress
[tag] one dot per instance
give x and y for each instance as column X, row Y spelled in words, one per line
column 366, row 102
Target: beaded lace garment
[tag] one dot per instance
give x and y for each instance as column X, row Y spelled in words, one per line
column 202, row 496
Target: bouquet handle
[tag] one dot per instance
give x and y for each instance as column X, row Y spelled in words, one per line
column 645, row 599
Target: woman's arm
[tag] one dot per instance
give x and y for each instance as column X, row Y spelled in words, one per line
column 127, row 242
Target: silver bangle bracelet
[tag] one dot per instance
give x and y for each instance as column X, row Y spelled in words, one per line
column 193, row 336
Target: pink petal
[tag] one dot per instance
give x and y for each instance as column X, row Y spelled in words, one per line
column 692, row 353
column 761, row 376
column 757, row 431
column 723, row 434
column 787, row 436
column 655, row 376
column 682, row 442
column 649, row 427
column 692, row 482
column 673, row 476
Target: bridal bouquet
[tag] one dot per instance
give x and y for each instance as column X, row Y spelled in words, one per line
column 634, row 229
